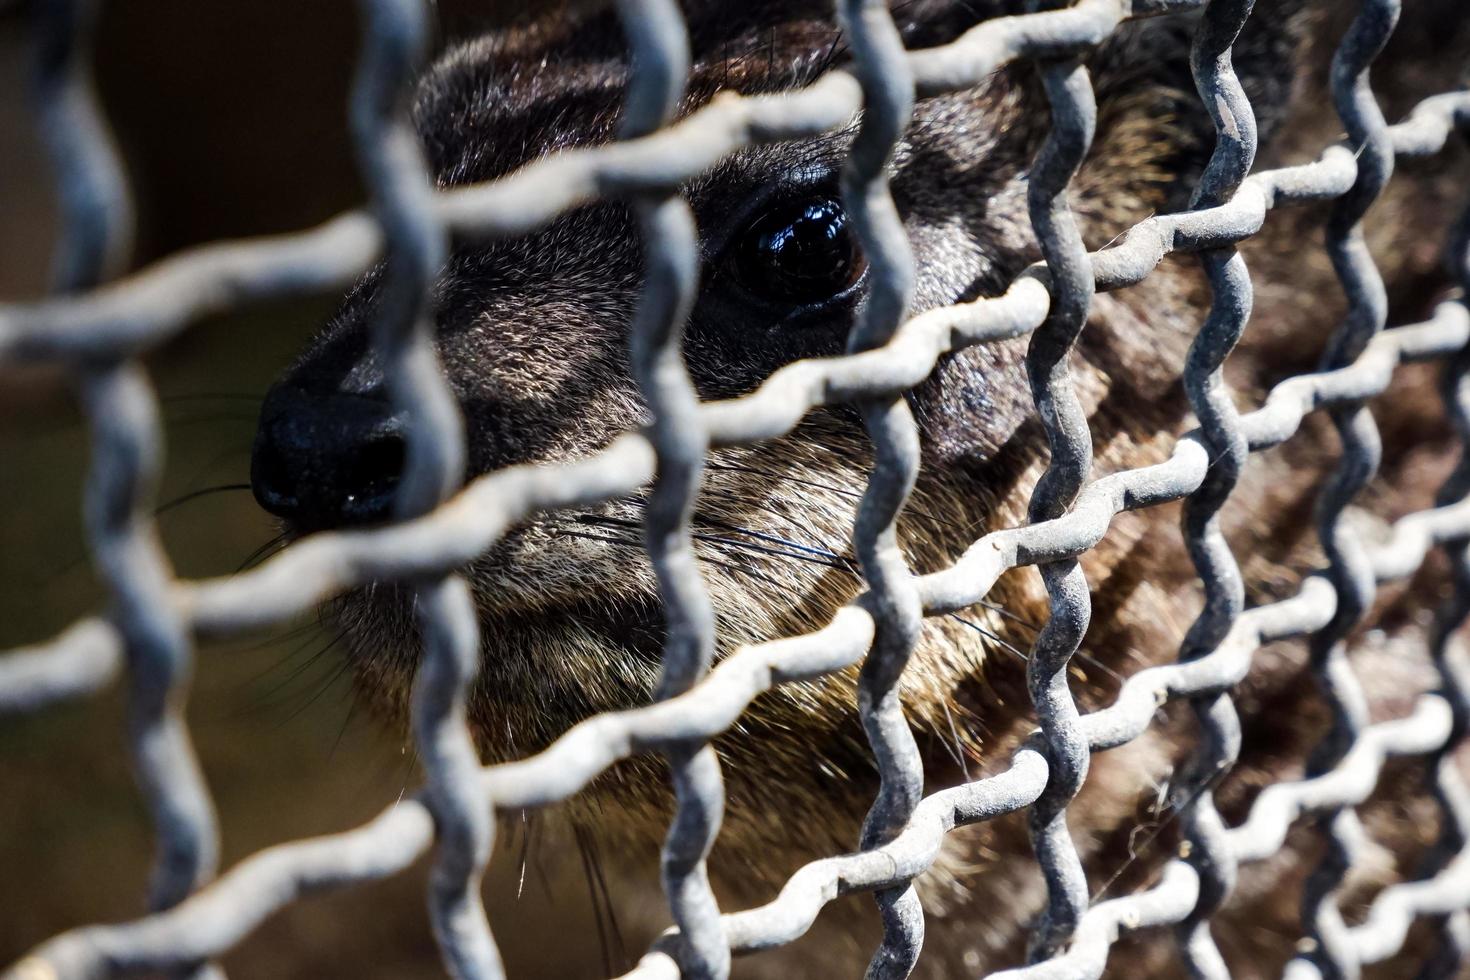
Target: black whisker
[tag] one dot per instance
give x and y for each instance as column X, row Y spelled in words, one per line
column 1175, row 811
column 958, row 751
column 835, row 50
column 592, row 894
column 1093, row 661
column 777, row 514
column 235, row 648
column 302, row 667
column 272, row 546
column 175, row 421
column 776, row 552
column 787, row 478
column 609, row 521
column 782, row 587
column 770, row 56
column 719, row 563
column 620, row 949
column 715, row 539
column 535, row 835
column 813, row 556
column 775, row 539
column 992, row 636
column 218, row 458
column 634, row 543
column 322, row 688
column 611, row 539
column 408, row 765
column 1084, row 657
column 1007, row 614
column 196, row 494
column 846, row 561
column 77, row 560
column 525, row 854
column 346, row 722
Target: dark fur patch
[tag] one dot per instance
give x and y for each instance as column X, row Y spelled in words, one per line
column 533, row 334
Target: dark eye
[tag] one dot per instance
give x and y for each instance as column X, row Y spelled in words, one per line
column 800, row 253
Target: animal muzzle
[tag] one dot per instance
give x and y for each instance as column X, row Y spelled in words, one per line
column 326, row 459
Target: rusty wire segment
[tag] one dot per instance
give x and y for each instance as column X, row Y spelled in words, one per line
column 98, row 329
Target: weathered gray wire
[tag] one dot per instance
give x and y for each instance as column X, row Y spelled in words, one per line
column 99, row 328
column 1073, row 119
column 126, row 457
column 660, row 47
column 395, row 36
column 888, row 102
column 1361, row 452
column 1224, row 98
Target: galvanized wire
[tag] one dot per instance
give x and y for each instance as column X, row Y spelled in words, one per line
column 99, row 329
column 888, row 102
column 1073, row 119
column 127, row 451
column 392, row 164
column 1361, row 451
column 656, row 34
column 1224, row 98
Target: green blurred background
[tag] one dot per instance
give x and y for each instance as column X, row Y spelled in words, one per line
column 231, row 117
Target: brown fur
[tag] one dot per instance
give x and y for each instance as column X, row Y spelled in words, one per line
column 533, row 336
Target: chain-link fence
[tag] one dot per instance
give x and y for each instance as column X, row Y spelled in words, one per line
column 99, row 329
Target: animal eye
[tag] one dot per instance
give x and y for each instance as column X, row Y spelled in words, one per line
column 799, row 253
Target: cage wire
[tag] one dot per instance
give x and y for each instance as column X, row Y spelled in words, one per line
column 99, row 328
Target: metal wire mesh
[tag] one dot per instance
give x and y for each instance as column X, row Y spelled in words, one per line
column 99, row 329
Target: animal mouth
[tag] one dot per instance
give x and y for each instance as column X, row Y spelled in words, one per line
column 544, row 666
column 570, row 619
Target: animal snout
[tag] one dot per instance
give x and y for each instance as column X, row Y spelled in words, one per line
column 326, row 459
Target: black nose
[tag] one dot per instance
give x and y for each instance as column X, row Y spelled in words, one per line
column 325, row 460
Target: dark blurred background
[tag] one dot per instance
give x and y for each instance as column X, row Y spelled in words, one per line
column 232, row 121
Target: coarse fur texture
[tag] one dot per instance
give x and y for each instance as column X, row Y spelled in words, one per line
column 533, row 335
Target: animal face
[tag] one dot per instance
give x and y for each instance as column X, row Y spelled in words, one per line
column 533, row 335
